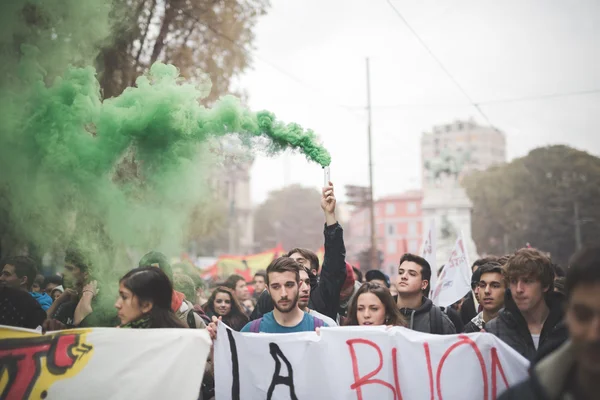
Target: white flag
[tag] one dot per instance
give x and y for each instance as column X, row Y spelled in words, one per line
column 455, row 280
column 428, row 253
column 102, row 363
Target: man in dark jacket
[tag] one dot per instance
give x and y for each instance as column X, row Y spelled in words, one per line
column 572, row 371
column 532, row 315
column 20, row 272
column 324, row 295
column 422, row 315
column 492, row 289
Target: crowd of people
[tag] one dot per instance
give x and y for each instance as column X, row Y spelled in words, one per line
column 548, row 314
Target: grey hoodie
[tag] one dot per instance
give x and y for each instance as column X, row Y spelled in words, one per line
column 420, row 319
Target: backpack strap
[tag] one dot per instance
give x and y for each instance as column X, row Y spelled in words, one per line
column 255, row 325
column 191, row 321
column 435, row 320
column 318, row 322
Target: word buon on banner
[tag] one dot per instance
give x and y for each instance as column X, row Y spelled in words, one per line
column 364, row 363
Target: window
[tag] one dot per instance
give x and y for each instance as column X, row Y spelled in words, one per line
column 390, row 229
column 412, row 228
column 413, row 246
column 411, row 207
column 390, row 209
column 391, row 247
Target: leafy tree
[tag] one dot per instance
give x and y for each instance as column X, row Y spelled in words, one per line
column 539, row 199
column 291, row 216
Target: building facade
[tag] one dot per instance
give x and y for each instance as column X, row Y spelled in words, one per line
column 486, row 146
column 399, row 229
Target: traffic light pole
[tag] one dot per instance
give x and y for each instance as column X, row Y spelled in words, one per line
column 374, row 257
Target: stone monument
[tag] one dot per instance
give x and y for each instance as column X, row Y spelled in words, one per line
column 446, row 202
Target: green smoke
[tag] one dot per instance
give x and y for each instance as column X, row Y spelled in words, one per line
column 63, row 150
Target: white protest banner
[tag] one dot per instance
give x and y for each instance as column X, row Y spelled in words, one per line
column 102, row 363
column 361, row 363
column 428, row 253
column 455, row 280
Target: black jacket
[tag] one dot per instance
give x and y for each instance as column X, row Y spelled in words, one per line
column 468, row 311
column 423, row 319
column 511, row 327
column 455, row 318
column 324, row 295
column 551, row 379
column 18, row 308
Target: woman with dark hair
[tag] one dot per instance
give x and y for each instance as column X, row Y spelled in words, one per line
column 145, row 300
column 222, row 303
column 373, row 305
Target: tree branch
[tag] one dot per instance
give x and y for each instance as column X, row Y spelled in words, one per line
column 170, row 12
column 136, row 63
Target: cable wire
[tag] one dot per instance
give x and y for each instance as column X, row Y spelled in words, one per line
column 437, row 60
column 272, row 65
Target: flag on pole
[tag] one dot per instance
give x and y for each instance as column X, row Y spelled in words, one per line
column 428, row 253
column 455, row 280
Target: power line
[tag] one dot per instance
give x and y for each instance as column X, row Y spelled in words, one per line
column 490, row 102
column 540, row 97
column 272, row 65
column 437, row 60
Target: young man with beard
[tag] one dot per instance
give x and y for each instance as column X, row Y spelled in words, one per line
column 531, row 320
column 573, row 370
column 75, row 306
column 325, row 295
column 492, row 287
column 283, row 284
column 422, row 315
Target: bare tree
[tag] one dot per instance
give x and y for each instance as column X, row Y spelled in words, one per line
column 292, row 217
column 201, row 37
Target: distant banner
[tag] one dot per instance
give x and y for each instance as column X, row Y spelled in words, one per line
column 455, row 280
column 364, row 363
column 246, row 266
column 102, row 363
column 428, row 252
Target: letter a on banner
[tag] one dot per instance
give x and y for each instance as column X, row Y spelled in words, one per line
column 455, row 280
column 428, row 253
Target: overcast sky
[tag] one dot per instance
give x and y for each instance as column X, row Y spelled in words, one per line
column 309, row 68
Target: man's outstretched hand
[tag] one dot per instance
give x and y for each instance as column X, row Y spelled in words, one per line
column 328, row 204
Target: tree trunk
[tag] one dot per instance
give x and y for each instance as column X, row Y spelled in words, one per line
column 170, row 13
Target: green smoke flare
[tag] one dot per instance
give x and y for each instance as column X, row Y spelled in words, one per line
column 61, row 146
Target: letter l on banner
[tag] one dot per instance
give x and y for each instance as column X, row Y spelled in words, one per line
column 455, row 280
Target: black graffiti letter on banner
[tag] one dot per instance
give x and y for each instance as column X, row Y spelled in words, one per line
column 277, row 378
column 235, row 366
